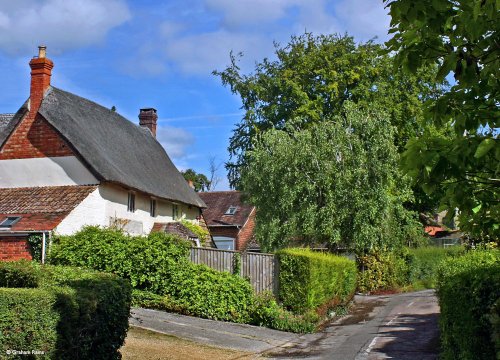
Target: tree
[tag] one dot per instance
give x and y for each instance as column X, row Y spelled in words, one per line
column 462, row 38
column 213, row 168
column 200, row 181
column 309, row 83
column 334, row 182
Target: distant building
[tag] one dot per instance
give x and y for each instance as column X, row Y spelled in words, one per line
column 230, row 221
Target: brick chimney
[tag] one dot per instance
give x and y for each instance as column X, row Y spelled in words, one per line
column 148, row 119
column 41, row 71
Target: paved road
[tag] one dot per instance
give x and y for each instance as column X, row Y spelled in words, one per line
column 402, row 326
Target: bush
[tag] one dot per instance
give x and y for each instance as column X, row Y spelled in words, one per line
column 159, row 265
column 147, row 262
column 381, row 270
column 413, row 268
column 310, row 279
column 267, row 312
column 425, row 263
column 71, row 313
column 468, row 289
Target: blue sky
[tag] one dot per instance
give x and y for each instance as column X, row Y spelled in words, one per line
column 136, row 54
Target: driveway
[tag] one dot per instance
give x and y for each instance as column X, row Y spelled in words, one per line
column 402, row 326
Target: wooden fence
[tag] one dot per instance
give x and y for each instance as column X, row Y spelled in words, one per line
column 261, row 269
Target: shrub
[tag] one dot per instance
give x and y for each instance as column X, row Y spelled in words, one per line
column 310, row 279
column 147, row 262
column 425, row 263
column 71, row 313
column 267, row 312
column 383, row 270
column 159, row 264
column 212, row 294
column 468, row 289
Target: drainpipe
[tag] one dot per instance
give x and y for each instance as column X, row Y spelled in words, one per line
column 43, row 248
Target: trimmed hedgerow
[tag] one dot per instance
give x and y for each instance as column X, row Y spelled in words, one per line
column 468, row 289
column 65, row 312
column 310, row 279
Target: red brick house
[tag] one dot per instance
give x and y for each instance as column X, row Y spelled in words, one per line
column 67, row 162
column 230, row 221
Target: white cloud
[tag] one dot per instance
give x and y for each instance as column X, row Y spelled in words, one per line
column 236, row 13
column 59, row 24
column 202, row 53
column 175, row 141
column 364, row 18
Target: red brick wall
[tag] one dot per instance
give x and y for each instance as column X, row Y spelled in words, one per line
column 14, row 248
column 246, row 232
column 34, row 138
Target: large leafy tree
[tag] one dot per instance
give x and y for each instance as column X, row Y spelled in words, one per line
column 310, row 80
column 334, row 183
column 462, row 38
column 200, row 181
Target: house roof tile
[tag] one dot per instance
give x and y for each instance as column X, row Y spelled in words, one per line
column 218, row 203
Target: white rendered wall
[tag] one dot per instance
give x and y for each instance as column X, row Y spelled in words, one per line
column 48, row 171
column 109, row 202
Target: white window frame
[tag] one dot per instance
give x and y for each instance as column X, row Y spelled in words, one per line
column 131, row 202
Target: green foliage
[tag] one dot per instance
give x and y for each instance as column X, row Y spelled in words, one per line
column 29, row 320
column 333, row 183
column 311, row 279
column 71, row 313
column 425, row 263
column 200, row 181
column 18, row 274
column 158, row 264
column 267, row 312
column 468, row 289
column 211, row 294
column 460, row 37
column 309, row 83
column 146, row 261
column 402, row 269
column 35, row 243
column 202, row 234
column 382, row 270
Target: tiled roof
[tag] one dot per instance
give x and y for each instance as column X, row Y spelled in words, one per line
column 218, row 202
column 40, row 208
column 174, row 228
column 34, row 222
column 42, row 200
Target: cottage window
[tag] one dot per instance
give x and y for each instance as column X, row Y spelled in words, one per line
column 131, row 202
column 175, row 212
column 231, row 210
column 9, row 221
column 152, row 207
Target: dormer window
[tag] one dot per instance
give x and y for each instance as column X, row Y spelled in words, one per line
column 9, row 221
column 231, row 210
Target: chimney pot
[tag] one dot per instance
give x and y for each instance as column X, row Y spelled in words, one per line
column 42, row 51
column 148, row 118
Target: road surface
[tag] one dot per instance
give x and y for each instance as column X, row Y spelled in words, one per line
column 401, row 326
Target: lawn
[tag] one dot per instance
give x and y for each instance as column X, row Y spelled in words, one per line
column 148, row 345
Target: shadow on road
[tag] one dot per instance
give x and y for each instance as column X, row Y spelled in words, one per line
column 407, row 336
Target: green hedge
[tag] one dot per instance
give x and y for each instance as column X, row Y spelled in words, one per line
column 147, row 262
column 413, row 269
column 158, row 264
column 468, row 289
column 65, row 312
column 310, row 279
